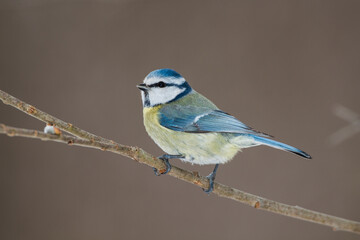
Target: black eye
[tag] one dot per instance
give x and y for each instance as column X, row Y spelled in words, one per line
column 161, row 84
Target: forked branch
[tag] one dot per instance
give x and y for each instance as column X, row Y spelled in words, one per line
column 86, row 139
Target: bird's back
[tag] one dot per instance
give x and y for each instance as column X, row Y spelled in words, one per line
column 194, row 99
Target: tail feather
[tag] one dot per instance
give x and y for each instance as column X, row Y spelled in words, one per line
column 281, row 146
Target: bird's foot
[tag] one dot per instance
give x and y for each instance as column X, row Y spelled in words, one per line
column 163, row 171
column 211, row 178
column 165, row 159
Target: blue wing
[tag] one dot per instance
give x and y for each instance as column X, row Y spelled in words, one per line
column 194, row 119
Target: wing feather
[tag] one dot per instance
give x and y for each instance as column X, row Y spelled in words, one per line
column 194, row 119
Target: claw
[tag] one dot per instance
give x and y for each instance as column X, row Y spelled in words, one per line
column 165, row 158
column 163, row 172
column 211, row 178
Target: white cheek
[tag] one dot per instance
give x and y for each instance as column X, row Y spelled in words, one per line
column 143, row 98
column 164, row 95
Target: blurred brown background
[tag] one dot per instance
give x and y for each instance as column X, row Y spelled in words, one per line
column 279, row 66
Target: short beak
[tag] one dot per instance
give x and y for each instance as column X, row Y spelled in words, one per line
column 142, row 87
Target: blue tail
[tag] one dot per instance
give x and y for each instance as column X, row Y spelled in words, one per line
column 281, row 146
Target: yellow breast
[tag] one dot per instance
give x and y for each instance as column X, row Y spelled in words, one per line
column 158, row 133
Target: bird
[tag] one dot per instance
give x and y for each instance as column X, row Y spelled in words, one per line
column 188, row 126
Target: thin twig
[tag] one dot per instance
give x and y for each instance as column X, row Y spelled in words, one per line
column 47, row 118
column 86, row 139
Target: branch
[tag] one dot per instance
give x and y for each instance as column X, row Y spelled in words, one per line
column 47, row 118
column 86, row 139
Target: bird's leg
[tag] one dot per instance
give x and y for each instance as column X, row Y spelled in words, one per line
column 211, row 178
column 166, row 158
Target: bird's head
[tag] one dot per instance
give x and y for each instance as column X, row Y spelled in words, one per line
column 163, row 86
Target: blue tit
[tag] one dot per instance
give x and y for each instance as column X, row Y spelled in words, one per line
column 188, row 126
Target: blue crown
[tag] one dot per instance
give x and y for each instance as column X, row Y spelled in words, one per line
column 163, row 73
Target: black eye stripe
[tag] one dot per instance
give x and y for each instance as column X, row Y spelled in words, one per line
column 162, row 85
